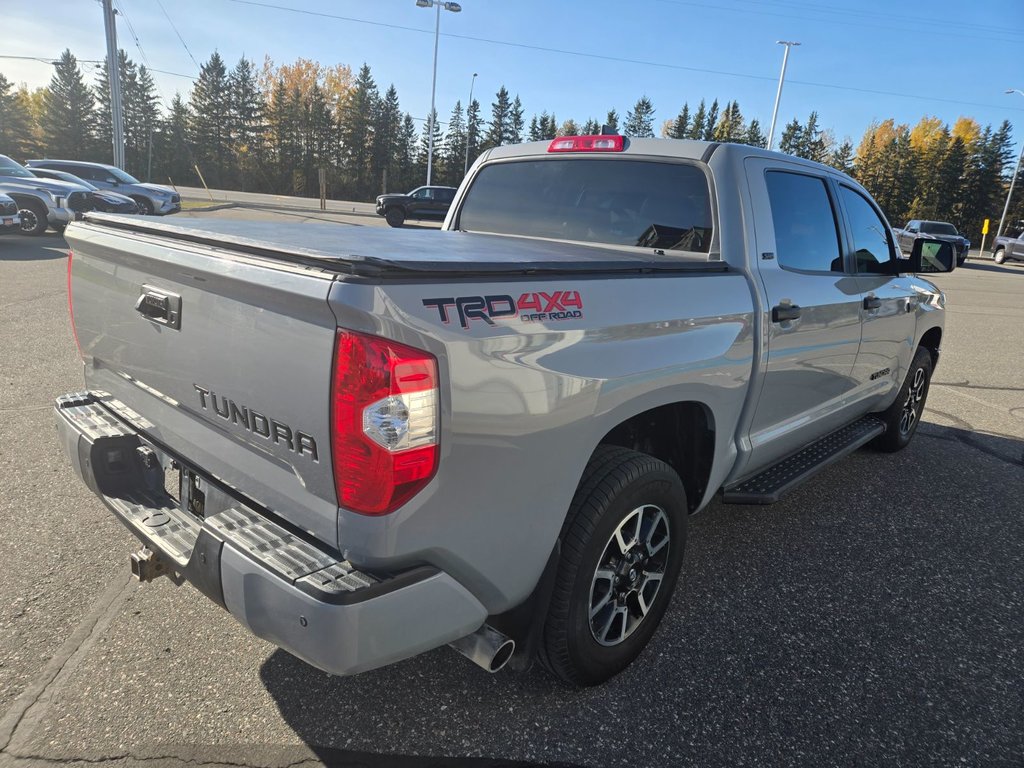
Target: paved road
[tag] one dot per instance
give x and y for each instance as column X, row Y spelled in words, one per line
column 874, row 617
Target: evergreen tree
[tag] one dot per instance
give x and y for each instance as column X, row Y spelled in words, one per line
column 516, row 122
column 454, row 156
column 533, row 133
column 755, row 137
column 681, row 125
column 499, row 131
column 172, row 152
column 474, row 130
column 356, row 131
column 210, row 127
column 813, row 143
column 730, row 127
column 640, row 120
column 437, row 172
column 700, row 118
column 591, row 127
column 792, row 138
column 570, row 128
column 408, row 172
column 711, row 122
column 15, row 121
column 246, row 122
column 612, row 120
column 841, row 157
column 386, row 133
column 69, row 115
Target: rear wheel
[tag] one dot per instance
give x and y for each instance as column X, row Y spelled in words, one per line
column 395, row 217
column 622, row 549
column 902, row 417
column 1000, row 256
column 33, row 217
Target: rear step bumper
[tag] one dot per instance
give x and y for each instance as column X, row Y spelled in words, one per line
column 284, row 588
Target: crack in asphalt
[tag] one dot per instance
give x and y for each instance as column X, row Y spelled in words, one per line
column 26, row 710
column 16, row 758
column 969, row 439
column 967, row 385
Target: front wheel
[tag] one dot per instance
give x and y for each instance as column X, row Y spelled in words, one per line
column 902, row 417
column 1000, row 256
column 622, row 549
column 395, row 217
column 33, row 218
column 145, row 206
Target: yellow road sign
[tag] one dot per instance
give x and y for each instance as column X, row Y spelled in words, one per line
column 984, row 227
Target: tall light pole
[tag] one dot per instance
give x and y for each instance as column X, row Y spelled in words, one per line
column 469, row 104
column 778, row 94
column 1013, row 180
column 454, row 8
column 114, row 78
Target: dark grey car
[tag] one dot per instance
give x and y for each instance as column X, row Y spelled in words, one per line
column 152, row 198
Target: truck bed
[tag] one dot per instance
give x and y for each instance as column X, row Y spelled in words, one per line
column 371, row 252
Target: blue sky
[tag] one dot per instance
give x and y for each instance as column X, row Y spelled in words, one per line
column 957, row 57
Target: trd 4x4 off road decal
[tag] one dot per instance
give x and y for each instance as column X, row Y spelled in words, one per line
column 530, row 307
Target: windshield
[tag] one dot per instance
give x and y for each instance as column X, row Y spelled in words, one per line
column 938, row 228
column 612, row 201
column 10, row 168
column 121, row 176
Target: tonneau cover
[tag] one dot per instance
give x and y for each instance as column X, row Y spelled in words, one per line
column 378, row 252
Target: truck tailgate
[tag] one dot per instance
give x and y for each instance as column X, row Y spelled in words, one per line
column 221, row 358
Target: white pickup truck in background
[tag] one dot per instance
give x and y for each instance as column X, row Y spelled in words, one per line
column 493, row 435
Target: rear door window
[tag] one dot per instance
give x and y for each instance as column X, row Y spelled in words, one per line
column 806, row 231
column 612, row 201
column 871, row 243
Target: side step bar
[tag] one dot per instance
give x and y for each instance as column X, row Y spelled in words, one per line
column 771, row 484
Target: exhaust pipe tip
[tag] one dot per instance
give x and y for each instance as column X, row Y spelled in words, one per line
column 488, row 648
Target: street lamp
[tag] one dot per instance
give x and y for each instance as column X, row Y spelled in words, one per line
column 465, row 165
column 778, row 94
column 454, row 8
column 1013, row 180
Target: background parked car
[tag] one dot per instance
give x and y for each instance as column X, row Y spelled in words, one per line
column 41, row 202
column 99, row 199
column 421, row 203
column 10, row 221
column 1009, row 246
column 152, row 198
column 934, row 230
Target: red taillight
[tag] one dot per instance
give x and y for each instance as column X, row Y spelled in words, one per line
column 71, row 308
column 587, row 144
column 384, row 422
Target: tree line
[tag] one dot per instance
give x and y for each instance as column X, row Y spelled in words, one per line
column 272, row 128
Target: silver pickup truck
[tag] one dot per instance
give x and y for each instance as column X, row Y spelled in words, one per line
column 366, row 444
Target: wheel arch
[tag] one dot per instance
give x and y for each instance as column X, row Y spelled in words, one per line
column 682, row 434
column 932, row 341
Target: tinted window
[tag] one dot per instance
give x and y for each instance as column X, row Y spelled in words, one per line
column 615, row 201
column 870, row 234
column 806, row 235
column 938, row 228
column 10, row 168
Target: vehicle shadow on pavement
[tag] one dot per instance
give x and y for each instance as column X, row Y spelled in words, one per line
column 26, row 248
column 872, row 615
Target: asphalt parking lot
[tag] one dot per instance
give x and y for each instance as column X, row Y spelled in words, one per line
column 874, row 617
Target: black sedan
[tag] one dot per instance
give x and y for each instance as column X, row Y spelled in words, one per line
column 99, row 199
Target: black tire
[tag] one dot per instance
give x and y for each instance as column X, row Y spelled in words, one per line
column 999, row 256
column 902, row 417
column 617, row 485
column 960, row 260
column 33, row 217
column 395, row 217
column 145, row 206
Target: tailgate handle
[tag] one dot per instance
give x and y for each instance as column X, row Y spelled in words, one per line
column 160, row 307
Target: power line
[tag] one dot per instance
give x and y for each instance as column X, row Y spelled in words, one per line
column 176, row 32
column 622, row 60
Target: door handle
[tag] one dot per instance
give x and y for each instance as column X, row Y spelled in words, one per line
column 872, row 302
column 784, row 312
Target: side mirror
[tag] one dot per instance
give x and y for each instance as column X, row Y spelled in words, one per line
column 929, row 256
column 912, row 230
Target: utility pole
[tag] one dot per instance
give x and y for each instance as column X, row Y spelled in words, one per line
column 778, row 94
column 114, row 78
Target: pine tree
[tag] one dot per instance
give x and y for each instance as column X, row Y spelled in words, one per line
column 69, row 112
column 408, row 173
column 570, row 128
column 711, row 122
column 700, row 118
column 172, row 153
column 591, row 127
column 356, row 131
column 681, row 125
column 474, row 130
column 813, row 143
column 246, row 121
column 640, row 120
column 454, row 156
column 516, row 122
column 792, row 138
column 499, row 131
column 533, row 133
column 755, row 137
column 730, row 127
column 437, row 171
column 386, row 132
column 15, row 121
column 612, row 120
column 210, row 109
column 841, row 157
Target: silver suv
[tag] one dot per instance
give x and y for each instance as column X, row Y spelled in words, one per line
column 152, row 198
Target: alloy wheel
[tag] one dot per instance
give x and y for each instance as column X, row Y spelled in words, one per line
column 912, row 406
